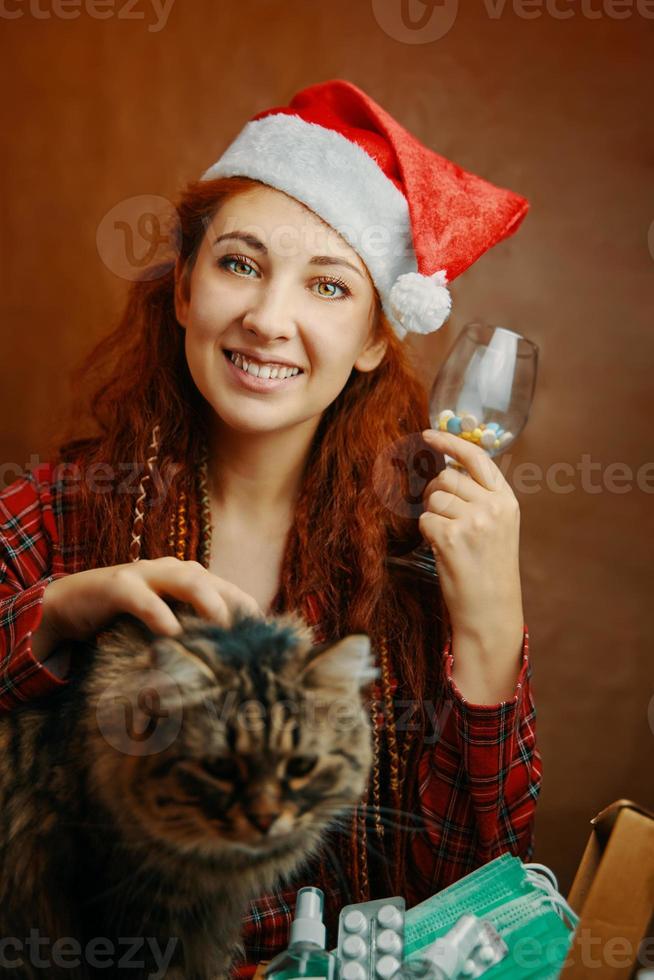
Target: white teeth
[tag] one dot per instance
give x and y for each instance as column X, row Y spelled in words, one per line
column 262, row 370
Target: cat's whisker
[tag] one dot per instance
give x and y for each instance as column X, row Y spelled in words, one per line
column 371, row 845
column 385, row 816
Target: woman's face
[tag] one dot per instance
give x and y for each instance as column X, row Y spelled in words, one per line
column 268, row 295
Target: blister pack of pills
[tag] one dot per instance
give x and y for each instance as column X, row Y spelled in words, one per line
column 371, row 939
column 488, row 950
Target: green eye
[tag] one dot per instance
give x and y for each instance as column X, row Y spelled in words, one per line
column 222, row 768
column 300, row 766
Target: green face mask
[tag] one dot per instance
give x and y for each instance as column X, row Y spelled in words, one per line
column 523, row 905
column 537, row 949
column 478, row 893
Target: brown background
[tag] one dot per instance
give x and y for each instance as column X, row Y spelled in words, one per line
column 98, row 111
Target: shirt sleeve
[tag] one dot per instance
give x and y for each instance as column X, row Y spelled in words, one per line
column 478, row 781
column 27, row 529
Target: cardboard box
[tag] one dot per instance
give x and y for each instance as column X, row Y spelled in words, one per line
column 613, row 892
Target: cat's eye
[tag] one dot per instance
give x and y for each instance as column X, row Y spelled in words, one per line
column 300, row 766
column 222, row 768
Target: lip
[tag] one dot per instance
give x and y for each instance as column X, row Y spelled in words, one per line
column 256, row 384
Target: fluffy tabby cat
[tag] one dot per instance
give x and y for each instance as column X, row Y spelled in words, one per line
column 168, row 783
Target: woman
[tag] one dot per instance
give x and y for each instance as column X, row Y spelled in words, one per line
column 262, row 482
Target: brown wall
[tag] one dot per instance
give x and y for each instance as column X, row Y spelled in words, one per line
column 99, row 111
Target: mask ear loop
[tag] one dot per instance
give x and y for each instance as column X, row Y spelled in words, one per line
column 551, row 895
column 543, row 869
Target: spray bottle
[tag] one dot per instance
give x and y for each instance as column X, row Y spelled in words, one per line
column 306, row 955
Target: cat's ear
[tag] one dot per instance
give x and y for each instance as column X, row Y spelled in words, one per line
column 347, row 664
column 184, row 666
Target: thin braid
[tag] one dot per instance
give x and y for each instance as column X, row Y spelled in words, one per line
column 365, row 886
column 354, row 853
column 137, row 526
column 375, row 780
column 171, row 531
column 391, row 732
column 395, row 766
column 193, row 519
column 182, row 530
column 205, row 509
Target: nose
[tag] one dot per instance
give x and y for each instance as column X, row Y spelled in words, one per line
column 269, row 317
column 263, row 821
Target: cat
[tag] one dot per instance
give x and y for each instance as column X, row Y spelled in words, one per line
column 170, row 782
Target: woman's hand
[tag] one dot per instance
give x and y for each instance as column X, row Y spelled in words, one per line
column 77, row 606
column 472, row 521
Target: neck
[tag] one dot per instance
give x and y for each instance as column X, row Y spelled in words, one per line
column 257, row 476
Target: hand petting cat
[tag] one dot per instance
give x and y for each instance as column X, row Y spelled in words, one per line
column 78, row 605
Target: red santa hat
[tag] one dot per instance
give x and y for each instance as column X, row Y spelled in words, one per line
column 416, row 219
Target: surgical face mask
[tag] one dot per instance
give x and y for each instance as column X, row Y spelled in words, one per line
column 520, row 900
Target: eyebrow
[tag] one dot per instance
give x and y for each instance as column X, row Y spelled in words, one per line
column 260, row 247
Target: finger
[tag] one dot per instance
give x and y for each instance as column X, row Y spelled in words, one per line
column 236, row 598
column 151, row 609
column 446, row 505
column 211, row 605
column 191, row 583
column 251, row 608
column 475, row 460
column 457, row 482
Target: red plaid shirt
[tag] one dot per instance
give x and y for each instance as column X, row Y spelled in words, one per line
column 478, row 781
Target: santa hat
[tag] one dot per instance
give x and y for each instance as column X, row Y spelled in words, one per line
column 416, row 219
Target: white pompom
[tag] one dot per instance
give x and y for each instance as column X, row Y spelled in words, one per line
column 422, row 304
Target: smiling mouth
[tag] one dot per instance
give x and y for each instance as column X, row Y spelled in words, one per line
column 265, row 371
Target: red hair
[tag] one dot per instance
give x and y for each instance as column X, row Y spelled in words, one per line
column 137, row 378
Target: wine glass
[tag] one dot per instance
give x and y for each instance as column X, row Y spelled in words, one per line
column 482, row 393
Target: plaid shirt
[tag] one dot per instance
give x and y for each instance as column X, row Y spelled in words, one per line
column 478, row 781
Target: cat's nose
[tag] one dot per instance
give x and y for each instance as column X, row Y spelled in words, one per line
column 263, row 821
